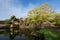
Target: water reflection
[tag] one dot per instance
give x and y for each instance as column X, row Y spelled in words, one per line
column 19, row 38
column 4, row 37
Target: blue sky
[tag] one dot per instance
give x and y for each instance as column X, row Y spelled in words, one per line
column 19, row 8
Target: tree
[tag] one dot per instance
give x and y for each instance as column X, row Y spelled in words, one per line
column 57, row 19
column 12, row 18
column 7, row 21
column 41, row 14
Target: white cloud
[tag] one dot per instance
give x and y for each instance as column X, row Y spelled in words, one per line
column 7, row 9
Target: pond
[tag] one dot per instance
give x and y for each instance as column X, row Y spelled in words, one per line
column 4, row 37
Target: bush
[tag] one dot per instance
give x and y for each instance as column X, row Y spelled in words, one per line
column 50, row 34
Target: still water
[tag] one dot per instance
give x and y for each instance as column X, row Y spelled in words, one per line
column 4, row 37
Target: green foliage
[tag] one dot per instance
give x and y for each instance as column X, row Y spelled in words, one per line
column 40, row 14
column 50, row 34
column 7, row 21
column 12, row 18
column 57, row 19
